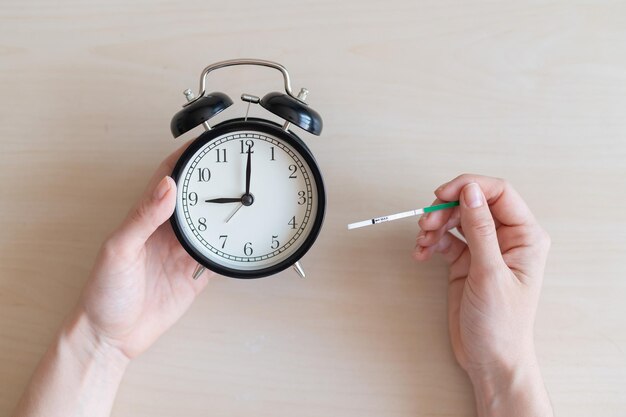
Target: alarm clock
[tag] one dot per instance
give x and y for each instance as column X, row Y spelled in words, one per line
column 250, row 197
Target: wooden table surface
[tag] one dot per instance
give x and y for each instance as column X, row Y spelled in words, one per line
column 412, row 94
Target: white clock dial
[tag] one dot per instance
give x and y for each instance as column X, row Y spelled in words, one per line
column 259, row 235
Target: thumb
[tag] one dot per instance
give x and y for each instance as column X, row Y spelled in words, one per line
column 479, row 228
column 154, row 208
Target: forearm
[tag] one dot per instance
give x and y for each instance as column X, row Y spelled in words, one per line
column 78, row 376
column 514, row 392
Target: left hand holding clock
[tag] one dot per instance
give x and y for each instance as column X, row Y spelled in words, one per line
column 141, row 282
column 140, row 285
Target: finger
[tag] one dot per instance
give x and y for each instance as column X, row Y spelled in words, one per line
column 149, row 213
column 505, row 203
column 431, row 237
column 448, row 246
column 479, row 229
column 524, row 248
column 435, row 219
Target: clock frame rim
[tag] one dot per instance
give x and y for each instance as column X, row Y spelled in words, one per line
column 262, row 126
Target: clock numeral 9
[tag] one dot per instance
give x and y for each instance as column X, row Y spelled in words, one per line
column 293, row 170
column 301, row 197
column 224, row 242
column 221, row 155
column 204, row 174
column 293, row 223
column 247, row 249
column 275, row 243
column 202, row 224
column 249, row 144
column 193, row 199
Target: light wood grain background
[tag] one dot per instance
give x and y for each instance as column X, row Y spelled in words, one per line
column 412, row 94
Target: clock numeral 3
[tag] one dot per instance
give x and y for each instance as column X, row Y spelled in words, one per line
column 221, row 155
column 247, row 249
column 193, row 199
column 293, row 223
column 202, row 224
column 249, row 144
column 293, row 170
column 224, row 242
column 301, row 197
column 275, row 243
column 204, row 174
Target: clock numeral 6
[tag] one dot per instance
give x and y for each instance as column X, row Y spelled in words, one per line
column 301, row 197
column 202, row 224
column 275, row 243
column 293, row 170
column 224, row 242
column 247, row 248
column 293, row 223
column 204, row 174
column 193, row 199
column 249, row 144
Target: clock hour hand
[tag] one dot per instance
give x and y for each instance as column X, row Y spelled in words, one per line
column 224, row 200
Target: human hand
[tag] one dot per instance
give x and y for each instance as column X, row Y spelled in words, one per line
column 141, row 283
column 494, row 280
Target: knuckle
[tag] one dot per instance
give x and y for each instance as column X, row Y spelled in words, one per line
column 484, row 228
column 537, row 237
column 140, row 212
column 506, row 184
column 466, row 177
column 545, row 239
column 109, row 247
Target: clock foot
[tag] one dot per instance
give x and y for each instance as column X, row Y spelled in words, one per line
column 299, row 270
column 199, row 270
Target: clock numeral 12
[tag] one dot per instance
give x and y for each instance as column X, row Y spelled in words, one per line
column 293, row 223
column 204, row 174
column 221, row 155
column 249, row 144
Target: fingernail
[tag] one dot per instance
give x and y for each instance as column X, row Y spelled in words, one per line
column 472, row 195
column 425, row 216
column 162, row 189
column 420, row 236
column 441, row 187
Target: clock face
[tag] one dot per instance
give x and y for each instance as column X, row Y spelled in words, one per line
column 254, row 232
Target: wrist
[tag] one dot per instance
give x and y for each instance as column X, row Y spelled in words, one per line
column 511, row 389
column 78, row 376
column 89, row 347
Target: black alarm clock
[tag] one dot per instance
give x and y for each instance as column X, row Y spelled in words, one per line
column 250, row 196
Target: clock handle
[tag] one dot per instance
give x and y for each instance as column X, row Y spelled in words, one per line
column 245, row 61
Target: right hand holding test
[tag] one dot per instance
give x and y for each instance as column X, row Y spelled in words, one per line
column 494, row 285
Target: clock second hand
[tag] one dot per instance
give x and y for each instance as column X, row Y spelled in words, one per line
column 234, row 212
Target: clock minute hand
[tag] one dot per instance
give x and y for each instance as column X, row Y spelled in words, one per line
column 224, row 200
column 248, row 170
